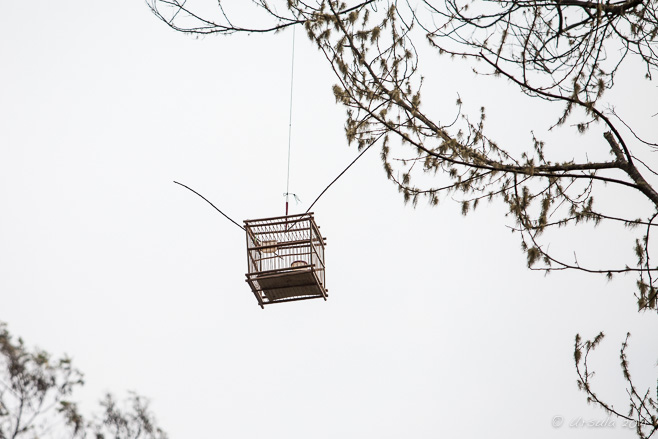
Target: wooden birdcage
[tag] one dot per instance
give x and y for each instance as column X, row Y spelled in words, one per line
column 285, row 259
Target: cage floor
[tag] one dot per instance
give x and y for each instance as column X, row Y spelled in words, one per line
column 287, row 285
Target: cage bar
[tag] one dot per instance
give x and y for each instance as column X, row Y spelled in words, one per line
column 285, row 259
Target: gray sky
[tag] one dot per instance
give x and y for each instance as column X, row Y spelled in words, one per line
column 434, row 327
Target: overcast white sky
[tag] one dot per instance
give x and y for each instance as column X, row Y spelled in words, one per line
column 434, row 327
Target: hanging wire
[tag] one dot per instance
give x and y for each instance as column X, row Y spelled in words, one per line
column 207, row 201
column 179, row 9
column 312, row 204
column 344, row 171
column 292, row 77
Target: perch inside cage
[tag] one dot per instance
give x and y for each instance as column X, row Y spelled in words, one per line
column 285, row 259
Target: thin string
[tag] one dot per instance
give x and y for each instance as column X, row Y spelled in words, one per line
column 179, row 9
column 207, row 201
column 344, row 171
column 312, row 204
column 292, row 77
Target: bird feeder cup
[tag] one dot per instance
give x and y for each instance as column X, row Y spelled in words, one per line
column 285, row 259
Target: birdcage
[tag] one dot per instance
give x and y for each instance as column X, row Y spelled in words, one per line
column 285, row 259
